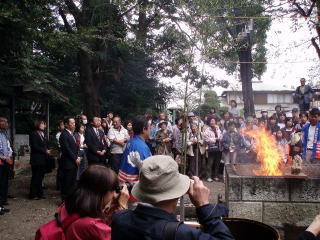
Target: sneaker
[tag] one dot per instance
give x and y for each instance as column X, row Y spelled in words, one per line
column 209, row 180
column 216, row 179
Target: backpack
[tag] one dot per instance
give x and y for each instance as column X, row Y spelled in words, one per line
column 55, row 229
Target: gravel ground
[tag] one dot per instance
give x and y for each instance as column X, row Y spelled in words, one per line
column 27, row 215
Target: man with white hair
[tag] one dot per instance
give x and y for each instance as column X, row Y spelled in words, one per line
column 159, row 188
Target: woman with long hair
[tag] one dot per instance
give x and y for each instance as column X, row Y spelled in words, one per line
column 38, row 159
column 96, row 198
column 79, row 135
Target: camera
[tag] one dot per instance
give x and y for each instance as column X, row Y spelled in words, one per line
column 129, row 187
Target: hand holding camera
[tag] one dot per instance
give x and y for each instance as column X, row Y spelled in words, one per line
column 198, row 193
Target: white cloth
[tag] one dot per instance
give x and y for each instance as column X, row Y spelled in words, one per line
column 115, row 134
column 97, row 132
column 58, row 137
column 281, row 125
column 209, row 136
column 81, row 140
column 311, row 133
column 235, row 112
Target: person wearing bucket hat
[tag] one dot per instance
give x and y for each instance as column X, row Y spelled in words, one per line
column 159, row 187
column 163, row 139
column 163, row 118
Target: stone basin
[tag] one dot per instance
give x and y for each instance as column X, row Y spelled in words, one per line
column 288, row 203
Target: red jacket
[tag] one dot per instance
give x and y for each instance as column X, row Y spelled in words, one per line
column 86, row 228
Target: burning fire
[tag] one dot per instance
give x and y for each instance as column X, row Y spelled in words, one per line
column 267, row 152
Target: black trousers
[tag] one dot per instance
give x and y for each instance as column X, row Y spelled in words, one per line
column 213, row 164
column 4, row 177
column 36, row 189
column 193, row 163
column 304, row 107
column 115, row 162
column 59, row 175
column 68, row 181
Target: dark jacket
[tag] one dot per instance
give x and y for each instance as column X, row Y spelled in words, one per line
column 226, row 141
column 39, row 146
column 305, row 97
column 69, row 150
column 147, row 222
column 94, row 144
column 308, row 236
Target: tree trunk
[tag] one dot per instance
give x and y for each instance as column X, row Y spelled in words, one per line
column 246, row 79
column 245, row 59
column 88, row 85
column 313, row 41
column 142, row 32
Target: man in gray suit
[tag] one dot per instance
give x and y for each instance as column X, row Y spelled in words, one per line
column 304, row 95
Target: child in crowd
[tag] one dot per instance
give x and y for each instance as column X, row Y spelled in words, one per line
column 296, row 147
column 303, row 120
column 281, row 122
column 283, row 146
column 288, row 130
column 272, row 126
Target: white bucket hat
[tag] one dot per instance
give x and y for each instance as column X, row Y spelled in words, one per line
column 160, row 180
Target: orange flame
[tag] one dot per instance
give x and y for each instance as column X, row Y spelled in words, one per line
column 267, row 152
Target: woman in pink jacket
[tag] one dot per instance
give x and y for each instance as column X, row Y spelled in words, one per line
column 96, row 198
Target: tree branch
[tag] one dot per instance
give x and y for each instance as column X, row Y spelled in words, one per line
column 65, row 21
column 74, row 10
column 129, row 10
column 302, row 11
column 316, row 46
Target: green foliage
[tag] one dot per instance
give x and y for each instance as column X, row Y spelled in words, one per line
column 217, row 24
column 130, row 45
column 211, row 100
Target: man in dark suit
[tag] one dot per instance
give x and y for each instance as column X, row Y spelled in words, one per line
column 69, row 157
column 95, row 140
column 303, row 96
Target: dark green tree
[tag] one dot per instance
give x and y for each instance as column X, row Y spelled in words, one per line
column 221, row 28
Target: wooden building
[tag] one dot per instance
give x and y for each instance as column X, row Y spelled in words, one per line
column 266, row 97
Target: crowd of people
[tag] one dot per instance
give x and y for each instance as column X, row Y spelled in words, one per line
column 103, row 162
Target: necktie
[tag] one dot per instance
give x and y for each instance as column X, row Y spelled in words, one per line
column 74, row 138
column 97, row 132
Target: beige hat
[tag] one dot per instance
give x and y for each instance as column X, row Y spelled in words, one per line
column 160, row 180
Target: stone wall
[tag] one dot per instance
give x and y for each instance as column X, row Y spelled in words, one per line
column 287, row 204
